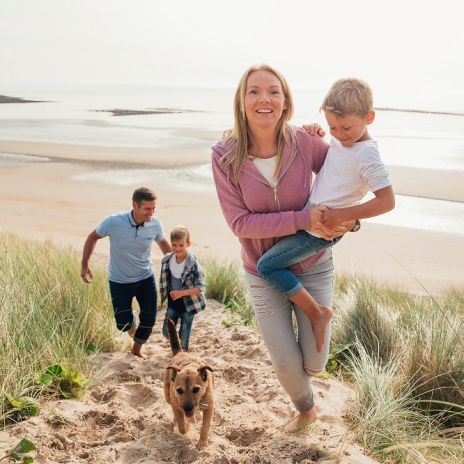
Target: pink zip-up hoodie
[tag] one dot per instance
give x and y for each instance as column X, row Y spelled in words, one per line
column 260, row 215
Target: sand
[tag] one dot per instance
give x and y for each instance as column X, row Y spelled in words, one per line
column 123, row 417
column 44, row 201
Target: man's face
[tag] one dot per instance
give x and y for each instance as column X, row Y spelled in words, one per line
column 143, row 212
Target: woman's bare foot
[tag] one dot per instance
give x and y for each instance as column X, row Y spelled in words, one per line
column 137, row 350
column 320, row 321
column 302, row 420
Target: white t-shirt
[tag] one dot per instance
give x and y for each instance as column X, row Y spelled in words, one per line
column 176, row 268
column 267, row 166
column 347, row 174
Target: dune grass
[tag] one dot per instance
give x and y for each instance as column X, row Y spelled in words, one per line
column 403, row 353
column 225, row 283
column 48, row 317
column 406, row 361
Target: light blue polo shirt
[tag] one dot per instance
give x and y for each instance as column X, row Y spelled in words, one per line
column 130, row 246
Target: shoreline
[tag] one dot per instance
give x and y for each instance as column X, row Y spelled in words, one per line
column 43, row 200
column 409, row 181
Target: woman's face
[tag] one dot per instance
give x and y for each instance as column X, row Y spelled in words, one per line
column 264, row 99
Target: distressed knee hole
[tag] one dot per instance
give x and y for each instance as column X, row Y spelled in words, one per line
column 312, row 372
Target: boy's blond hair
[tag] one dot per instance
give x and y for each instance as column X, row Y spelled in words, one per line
column 349, row 96
column 179, row 233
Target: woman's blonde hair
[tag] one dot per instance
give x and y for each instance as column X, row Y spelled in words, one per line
column 239, row 138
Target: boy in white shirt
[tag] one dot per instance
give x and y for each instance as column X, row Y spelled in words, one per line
column 182, row 283
column 352, row 168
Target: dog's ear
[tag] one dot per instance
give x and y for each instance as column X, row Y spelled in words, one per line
column 203, row 374
column 174, row 372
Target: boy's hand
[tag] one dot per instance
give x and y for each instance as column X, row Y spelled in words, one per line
column 176, row 294
column 314, row 129
column 331, row 218
column 334, row 218
column 317, row 225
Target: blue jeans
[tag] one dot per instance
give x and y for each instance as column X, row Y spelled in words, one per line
column 145, row 293
column 186, row 321
column 290, row 250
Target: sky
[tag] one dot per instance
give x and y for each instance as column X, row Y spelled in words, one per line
column 405, row 46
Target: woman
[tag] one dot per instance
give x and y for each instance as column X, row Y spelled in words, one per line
column 262, row 170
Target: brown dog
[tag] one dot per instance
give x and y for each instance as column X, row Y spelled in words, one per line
column 187, row 387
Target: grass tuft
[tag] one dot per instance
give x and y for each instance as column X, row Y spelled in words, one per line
column 47, row 316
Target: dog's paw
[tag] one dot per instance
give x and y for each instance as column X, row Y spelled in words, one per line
column 202, row 444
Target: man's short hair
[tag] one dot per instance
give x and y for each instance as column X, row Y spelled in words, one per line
column 143, row 194
column 179, row 233
column 349, row 96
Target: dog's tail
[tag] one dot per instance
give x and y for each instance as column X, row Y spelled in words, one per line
column 174, row 338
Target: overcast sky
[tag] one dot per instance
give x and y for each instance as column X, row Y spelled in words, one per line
column 402, row 44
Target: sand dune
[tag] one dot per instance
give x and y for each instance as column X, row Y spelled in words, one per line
column 124, row 419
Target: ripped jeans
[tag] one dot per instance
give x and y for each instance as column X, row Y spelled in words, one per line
column 294, row 357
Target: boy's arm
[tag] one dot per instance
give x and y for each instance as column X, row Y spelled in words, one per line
column 176, row 294
column 383, row 202
column 198, row 289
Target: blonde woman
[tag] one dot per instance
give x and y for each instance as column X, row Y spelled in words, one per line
column 262, row 170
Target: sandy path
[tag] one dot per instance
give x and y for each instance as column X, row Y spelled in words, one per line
column 124, row 419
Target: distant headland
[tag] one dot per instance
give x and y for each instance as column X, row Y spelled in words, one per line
column 127, row 112
column 5, row 99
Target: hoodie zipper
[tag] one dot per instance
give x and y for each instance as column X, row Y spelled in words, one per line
column 276, row 197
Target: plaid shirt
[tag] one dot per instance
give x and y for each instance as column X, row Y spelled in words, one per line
column 192, row 277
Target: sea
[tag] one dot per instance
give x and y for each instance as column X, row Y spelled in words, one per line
column 415, row 134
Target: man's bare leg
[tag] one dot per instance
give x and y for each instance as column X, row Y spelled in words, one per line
column 134, row 327
column 319, row 315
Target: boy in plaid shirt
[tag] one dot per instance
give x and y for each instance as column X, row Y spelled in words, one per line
column 182, row 283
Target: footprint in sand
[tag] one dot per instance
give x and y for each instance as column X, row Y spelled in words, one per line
column 103, row 395
column 236, row 374
column 244, row 436
column 138, row 395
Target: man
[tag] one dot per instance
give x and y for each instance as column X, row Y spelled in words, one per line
column 130, row 274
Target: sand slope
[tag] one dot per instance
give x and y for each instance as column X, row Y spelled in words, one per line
column 124, row 419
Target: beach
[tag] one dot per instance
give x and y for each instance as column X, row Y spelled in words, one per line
column 59, row 192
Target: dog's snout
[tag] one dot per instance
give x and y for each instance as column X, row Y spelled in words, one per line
column 188, row 407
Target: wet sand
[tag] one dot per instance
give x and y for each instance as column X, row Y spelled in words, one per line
column 43, row 200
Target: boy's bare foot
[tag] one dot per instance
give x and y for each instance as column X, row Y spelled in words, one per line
column 319, row 315
column 320, row 320
column 302, row 420
column 137, row 350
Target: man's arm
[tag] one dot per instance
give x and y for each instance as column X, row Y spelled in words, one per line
column 164, row 245
column 383, row 202
column 89, row 246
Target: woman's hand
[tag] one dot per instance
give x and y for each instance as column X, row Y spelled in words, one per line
column 317, row 225
column 314, row 129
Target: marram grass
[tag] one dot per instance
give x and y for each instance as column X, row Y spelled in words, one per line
column 406, row 361
column 47, row 315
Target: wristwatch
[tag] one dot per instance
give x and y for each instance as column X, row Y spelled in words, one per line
column 357, row 226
